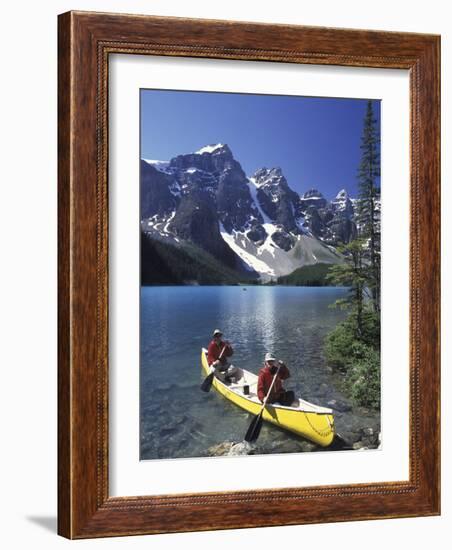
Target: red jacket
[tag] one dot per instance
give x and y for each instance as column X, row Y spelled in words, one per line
column 264, row 382
column 214, row 352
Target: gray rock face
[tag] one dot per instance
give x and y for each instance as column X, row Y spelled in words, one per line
column 283, row 240
column 314, row 221
column 214, row 162
column 195, row 220
column 343, row 229
column 276, row 198
column 234, row 204
column 257, row 234
column 334, row 222
column 156, row 197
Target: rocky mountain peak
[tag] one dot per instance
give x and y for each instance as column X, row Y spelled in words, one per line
column 215, row 149
column 342, row 195
column 312, row 194
column 342, row 204
column 312, row 197
column 213, row 159
column 278, row 202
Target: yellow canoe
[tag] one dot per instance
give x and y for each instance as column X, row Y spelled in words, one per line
column 306, row 419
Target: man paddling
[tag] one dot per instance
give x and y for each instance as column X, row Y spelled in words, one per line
column 217, row 357
column 265, row 378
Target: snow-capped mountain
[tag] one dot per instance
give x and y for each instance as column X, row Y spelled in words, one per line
column 255, row 223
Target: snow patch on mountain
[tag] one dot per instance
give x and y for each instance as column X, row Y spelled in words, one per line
column 175, row 189
column 268, row 244
column 253, row 187
column 251, row 262
column 342, row 203
column 160, row 165
column 209, row 148
column 165, row 229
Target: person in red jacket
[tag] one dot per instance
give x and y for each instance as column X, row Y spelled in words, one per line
column 265, row 378
column 217, row 357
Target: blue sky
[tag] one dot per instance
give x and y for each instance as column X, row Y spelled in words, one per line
column 316, row 141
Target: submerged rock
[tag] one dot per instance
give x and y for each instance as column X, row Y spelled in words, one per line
column 340, row 406
column 169, row 430
column 279, row 447
column 306, row 446
column 181, row 420
column 221, row 449
column 231, row 448
column 323, row 390
column 350, row 437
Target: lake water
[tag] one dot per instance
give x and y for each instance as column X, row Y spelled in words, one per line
column 177, row 418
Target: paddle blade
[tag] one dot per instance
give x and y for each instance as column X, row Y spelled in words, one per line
column 206, row 385
column 254, row 429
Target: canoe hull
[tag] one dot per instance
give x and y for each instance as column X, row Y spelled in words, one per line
column 317, row 427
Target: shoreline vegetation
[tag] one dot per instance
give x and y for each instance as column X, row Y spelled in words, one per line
column 308, row 275
column 353, row 347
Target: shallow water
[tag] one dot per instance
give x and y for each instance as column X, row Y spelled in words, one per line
column 177, row 418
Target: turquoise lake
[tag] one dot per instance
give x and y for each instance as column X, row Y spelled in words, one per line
column 177, row 420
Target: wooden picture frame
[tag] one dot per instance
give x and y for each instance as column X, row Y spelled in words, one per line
column 86, row 40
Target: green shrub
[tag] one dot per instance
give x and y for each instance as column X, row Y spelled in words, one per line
column 363, row 375
column 357, row 355
column 338, row 344
column 371, row 329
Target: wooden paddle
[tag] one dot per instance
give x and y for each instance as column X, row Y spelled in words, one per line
column 207, row 384
column 256, row 424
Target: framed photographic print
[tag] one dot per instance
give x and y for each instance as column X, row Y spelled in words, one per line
column 248, row 274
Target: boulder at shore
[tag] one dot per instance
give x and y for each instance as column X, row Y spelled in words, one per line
column 230, row 448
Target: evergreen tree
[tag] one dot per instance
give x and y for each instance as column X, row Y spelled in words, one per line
column 354, row 273
column 354, row 345
column 369, row 194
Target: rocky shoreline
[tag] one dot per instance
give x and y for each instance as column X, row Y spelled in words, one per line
column 365, row 440
column 352, row 434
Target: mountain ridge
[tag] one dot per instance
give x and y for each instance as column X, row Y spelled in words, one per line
column 254, row 223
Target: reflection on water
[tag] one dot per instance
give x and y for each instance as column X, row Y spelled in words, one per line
column 177, row 419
